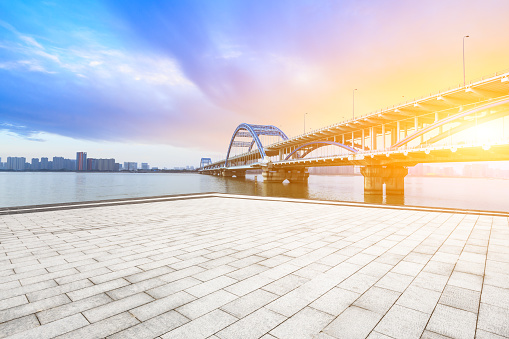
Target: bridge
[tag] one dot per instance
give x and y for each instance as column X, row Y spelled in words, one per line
column 462, row 124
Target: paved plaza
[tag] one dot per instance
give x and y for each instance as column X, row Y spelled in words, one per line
column 223, row 266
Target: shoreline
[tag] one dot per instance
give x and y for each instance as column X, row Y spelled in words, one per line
column 161, row 198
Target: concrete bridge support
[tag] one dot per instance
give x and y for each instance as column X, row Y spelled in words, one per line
column 395, row 180
column 373, row 179
column 295, row 175
column 376, row 176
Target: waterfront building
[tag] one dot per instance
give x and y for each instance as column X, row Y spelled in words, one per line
column 58, row 163
column 81, row 161
column 130, row 166
column 144, row 166
column 105, row 164
column 44, row 164
column 91, row 164
column 35, row 165
column 16, row 163
column 69, row 164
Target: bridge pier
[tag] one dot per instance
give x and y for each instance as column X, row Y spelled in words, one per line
column 299, row 175
column 239, row 174
column 395, row 180
column 373, row 179
column 375, row 176
column 225, row 173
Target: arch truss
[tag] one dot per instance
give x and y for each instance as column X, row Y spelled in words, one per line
column 248, row 135
column 302, row 151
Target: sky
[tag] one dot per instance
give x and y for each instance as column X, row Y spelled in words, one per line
column 167, row 82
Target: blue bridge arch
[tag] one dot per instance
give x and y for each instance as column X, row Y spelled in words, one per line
column 246, row 130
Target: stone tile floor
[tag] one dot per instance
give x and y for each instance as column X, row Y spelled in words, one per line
column 224, row 267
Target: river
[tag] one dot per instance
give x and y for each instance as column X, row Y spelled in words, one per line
column 37, row 188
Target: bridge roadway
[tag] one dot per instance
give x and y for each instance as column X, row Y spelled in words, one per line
column 385, row 143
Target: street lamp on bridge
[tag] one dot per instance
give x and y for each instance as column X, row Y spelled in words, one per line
column 353, row 103
column 466, row 36
column 305, row 122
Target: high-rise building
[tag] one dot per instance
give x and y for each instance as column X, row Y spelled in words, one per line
column 70, row 164
column 130, row 166
column 144, row 166
column 105, row 164
column 91, row 165
column 44, row 164
column 16, row 163
column 81, row 161
column 58, row 163
column 35, row 164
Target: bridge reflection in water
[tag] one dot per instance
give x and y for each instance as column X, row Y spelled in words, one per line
column 463, row 124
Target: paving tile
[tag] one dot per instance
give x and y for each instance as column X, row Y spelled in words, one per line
column 153, row 327
column 215, row 272
column 210, row 286
column 493, row 319
column 104, row 311
column 96, row 289
column 419, row 299
column 14, row 326
column 285, row 284
column 461, row 298
column 144, row 275
column 160, row 306
column 353, row 323
column 26, row 309
column 66, row 310
column 305, row 324
column 13, row 302
column 466, row 280
column 497, row 279
column 202, row 327
column 254, row 325
column 452, row 322
column 173, row 287
column 248, row 285
column 377, row 299
column 432, row 335
column 249, row 303
column 394, row 281
column 53, row 329
column 57, row 290
column 358, row 282
column 403, row 323
column 335, row 301
column 103, row 328
column 431, row 281
column 495, row 296
column 12, row 292
column 438, row 267
column 201, row 306
column 481, row 334
column 114, row 275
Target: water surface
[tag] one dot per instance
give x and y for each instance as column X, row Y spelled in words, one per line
column 36, row 188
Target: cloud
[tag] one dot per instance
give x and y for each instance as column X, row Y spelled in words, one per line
column 187, row 73
column 22, row 131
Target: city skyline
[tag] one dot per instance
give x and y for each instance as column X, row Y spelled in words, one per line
column 143, row 80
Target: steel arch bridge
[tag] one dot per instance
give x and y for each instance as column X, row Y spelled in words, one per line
column 384, row 143
column 252, row 132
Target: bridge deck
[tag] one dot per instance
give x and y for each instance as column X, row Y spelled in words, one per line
column 240, row 267
column 432, row 119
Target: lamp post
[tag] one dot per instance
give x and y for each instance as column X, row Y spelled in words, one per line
column 353, row 103
column 464, row 82
column 305, row 122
